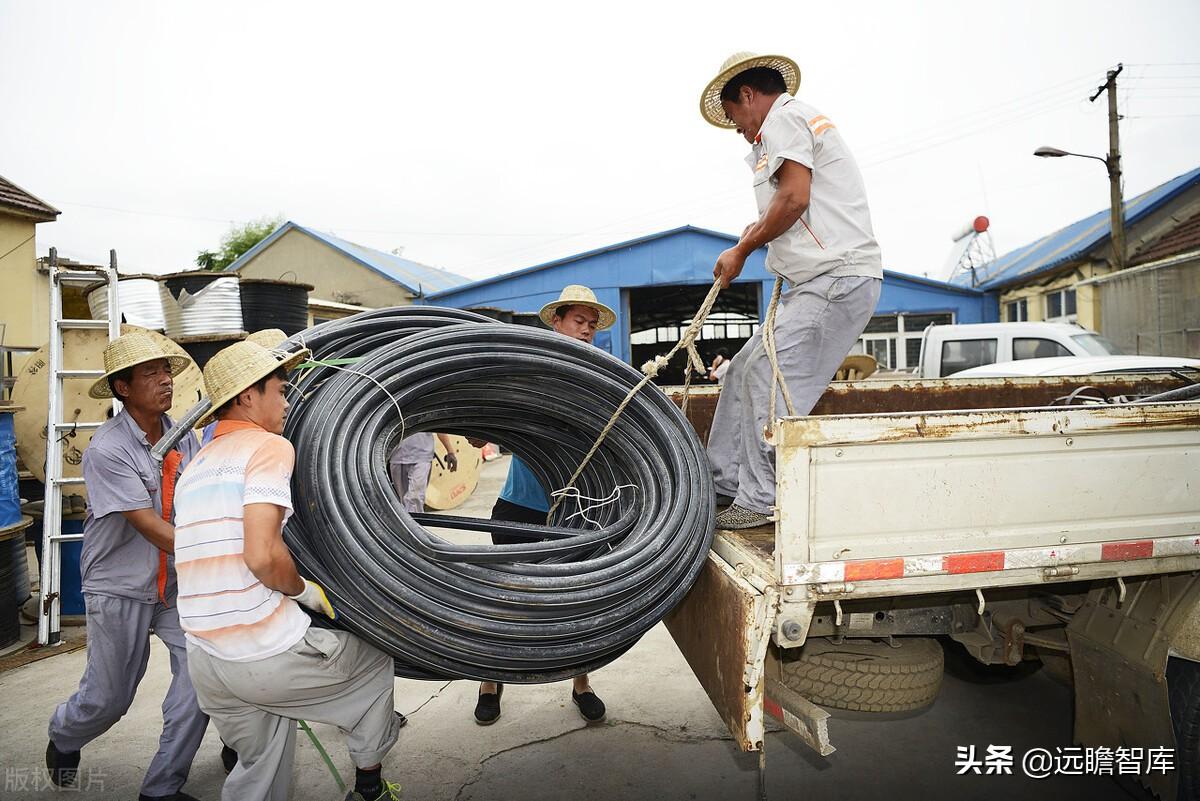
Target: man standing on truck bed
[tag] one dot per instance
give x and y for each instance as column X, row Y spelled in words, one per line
column 814, row 220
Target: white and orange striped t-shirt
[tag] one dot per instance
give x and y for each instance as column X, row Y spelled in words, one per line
column 223, row 607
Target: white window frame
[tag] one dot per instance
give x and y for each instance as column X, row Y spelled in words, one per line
column 1062, row 304
column 1022, row 307
column 900, row 338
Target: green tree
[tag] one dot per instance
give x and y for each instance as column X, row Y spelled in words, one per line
column 236, row 241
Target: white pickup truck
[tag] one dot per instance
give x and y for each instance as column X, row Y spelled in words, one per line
column 1019, row 517
column 950, row 349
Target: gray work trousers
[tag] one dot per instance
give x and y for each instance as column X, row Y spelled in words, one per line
column 411, row 482
column 118, row 649
column 816, row 324
column 327, row 677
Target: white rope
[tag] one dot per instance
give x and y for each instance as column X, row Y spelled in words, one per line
column 769, row 346
column 651, row 369
column 596, row 503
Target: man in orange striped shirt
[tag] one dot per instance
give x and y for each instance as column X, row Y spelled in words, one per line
column 257, row 665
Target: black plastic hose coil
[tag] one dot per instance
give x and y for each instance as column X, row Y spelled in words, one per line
column 573, row 597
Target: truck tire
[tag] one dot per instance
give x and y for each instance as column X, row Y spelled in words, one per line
column 1183, row 692
column 868, row 675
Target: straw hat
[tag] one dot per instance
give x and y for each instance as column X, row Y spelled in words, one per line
column 132, row 349
column 579, row 295
column 269, row 338
column 237, row 368
column 710, row 99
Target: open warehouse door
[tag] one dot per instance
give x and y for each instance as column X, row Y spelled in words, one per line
column 658, row 315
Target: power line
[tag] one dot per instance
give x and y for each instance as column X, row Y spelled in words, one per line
column 1043, row 101
column 945, row 140
column 145, row 213
column 987, row 115
column 1167, row 64
column 334, row 227
column 14, row 247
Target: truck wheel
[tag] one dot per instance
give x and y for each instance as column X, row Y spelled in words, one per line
column 1183, row 692
column 868, row 675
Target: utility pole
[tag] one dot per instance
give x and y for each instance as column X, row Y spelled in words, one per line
column 1113, row 162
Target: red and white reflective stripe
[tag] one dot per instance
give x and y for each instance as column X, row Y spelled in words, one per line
column 987, row 561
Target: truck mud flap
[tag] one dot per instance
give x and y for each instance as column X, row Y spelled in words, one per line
column 1119, row 642
column 723, row 627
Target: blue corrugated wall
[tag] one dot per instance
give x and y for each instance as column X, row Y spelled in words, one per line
column 683, row 256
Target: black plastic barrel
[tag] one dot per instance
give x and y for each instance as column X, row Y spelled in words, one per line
column 203, row 347
column 14, row 580
column 272, row 303
column 193, row 281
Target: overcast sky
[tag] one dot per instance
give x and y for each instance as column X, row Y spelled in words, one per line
column 487, row 137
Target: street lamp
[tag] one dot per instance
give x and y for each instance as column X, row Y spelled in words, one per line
column 1112, row 162
column 1117, row 211
column 1055, row 153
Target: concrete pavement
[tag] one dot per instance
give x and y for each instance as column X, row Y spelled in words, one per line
column 662, row 739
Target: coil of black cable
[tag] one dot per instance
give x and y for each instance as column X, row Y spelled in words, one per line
column 580, row 592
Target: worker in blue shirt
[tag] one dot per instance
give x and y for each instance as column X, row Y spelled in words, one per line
column 523, row 499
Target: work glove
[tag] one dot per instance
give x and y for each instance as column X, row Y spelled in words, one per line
column 313, row 596
column 451, row 462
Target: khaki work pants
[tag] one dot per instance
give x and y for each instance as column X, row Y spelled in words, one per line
column 328, row 677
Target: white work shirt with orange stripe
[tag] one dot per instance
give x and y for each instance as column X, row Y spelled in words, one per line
column 834, row 236
column 223, row 607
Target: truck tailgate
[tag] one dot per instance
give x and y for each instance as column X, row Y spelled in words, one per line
column 921, row 502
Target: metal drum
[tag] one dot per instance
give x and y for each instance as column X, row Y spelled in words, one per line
column 14, row 579
column 201, row 302
column 448, row 490
column 271, row 303
column 140, row 301
column 10, row 498
column 82, row 350
column 70, row 586
column 203, row 347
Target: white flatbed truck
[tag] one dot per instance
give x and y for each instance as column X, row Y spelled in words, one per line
column 984, row 511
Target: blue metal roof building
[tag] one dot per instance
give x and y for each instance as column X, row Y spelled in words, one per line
column 659, row 280
column 1079, row 239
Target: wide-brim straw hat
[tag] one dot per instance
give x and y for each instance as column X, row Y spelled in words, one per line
column 129, row 350
column 269, row 338
column 237, row 368
column 579, row 295
column 710, row 99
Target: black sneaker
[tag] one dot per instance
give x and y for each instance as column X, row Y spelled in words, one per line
column 487, row 708
column 590, row 705
column 63, row 766
column 176, row 796
column 229, row 758
column 388, row 792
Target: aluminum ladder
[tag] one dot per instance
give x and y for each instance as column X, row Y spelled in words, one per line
column 49, row 624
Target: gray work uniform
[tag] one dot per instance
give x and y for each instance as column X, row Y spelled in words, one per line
column 120, row 586
column 833, row 269
column 326, row 677
column 409, row 466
